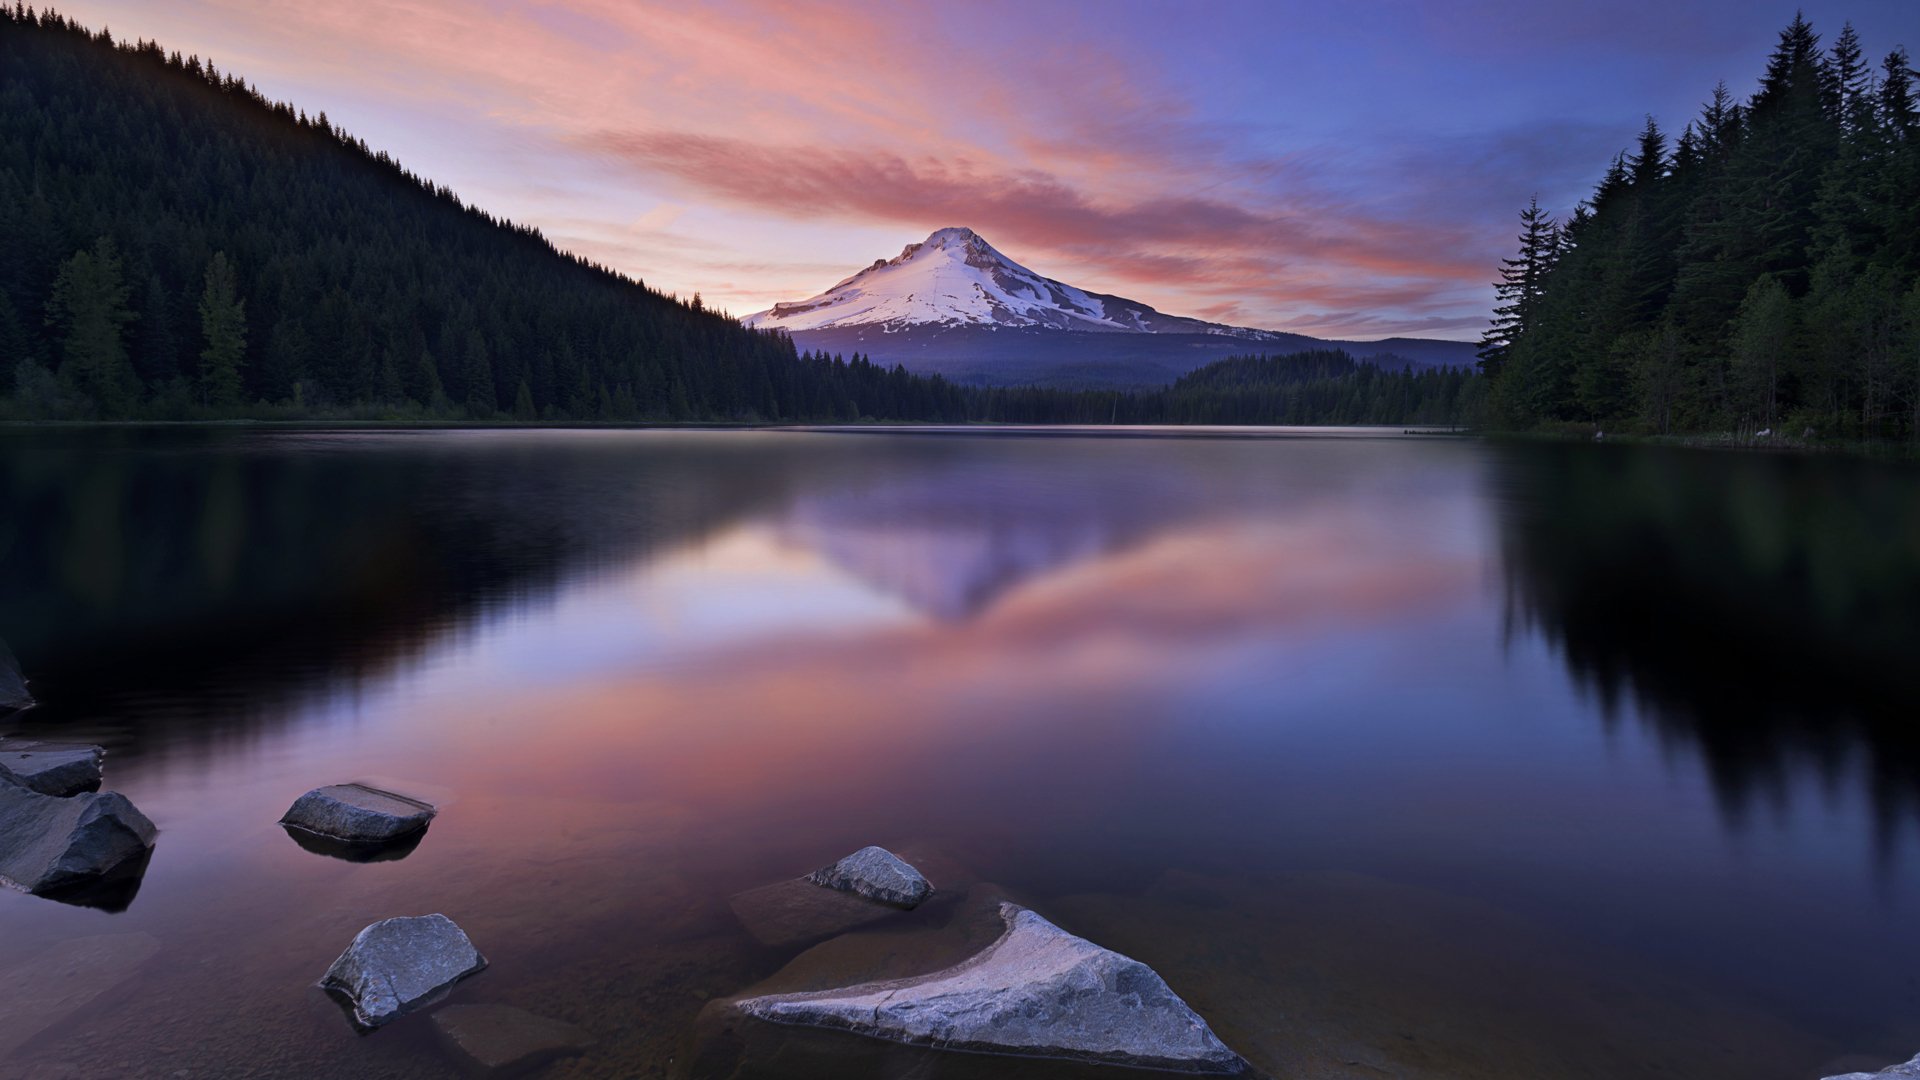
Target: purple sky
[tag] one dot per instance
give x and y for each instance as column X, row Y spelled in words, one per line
column 1347, row 170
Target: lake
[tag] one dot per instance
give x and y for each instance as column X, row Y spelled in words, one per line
column 1396, row 756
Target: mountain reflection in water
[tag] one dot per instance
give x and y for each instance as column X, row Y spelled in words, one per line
column 1417, row 756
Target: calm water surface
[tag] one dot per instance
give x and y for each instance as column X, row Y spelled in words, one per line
column 1397, row 757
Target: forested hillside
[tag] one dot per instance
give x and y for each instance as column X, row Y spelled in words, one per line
column 1761, row 272
column 179, row 246
column 1324, row 386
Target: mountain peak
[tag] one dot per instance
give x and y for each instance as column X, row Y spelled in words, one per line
column 955, row 278
column 955, row 236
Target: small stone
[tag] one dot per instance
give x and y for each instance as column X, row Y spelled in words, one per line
column 397, row 966
column 877, row 874
column 48, row 844
column 52, row 768
column 500, row 1039
column 1908, row 1071
column 357, row 814
column 1037, row 991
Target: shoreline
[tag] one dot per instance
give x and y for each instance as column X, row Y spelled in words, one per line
column 1721, row 441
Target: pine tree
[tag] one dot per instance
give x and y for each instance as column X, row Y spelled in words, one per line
column 1761, row 335
column 1522, row 280
column 223, row 323
column 88, row 305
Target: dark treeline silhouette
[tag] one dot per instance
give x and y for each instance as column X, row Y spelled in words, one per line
column 1323, row 386
column 181, row 247
column 1760, row 272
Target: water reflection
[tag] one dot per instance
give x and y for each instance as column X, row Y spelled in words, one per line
column 1241, row 709
column 1761, row 611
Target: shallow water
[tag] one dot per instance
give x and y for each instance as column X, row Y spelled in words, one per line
column 1397, row 757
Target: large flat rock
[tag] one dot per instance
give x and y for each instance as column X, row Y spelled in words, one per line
column 500, row 1040
column 52, row 768
column 1036, row 991
column 1908, row 1071
column 398, row 966
column 876, row 874
column 358, row 814
column 48, row 844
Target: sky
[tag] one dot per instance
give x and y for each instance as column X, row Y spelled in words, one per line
column 1348, row 170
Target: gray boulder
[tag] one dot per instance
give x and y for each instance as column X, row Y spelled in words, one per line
column 13, row 687
column 1037, row 991
column 397, row 966
column 357, row 814
column 498, row 1040
column 52, row 768
column 48, row 843
column 1907, row 1071
column 877, row 874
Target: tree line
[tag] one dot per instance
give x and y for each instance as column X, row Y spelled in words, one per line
column 1760, row 273
column 1321, row 386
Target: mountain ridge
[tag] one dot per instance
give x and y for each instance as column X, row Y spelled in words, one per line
column 954, row 305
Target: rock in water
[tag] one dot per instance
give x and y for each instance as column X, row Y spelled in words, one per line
column 500, row 1039
column 399, row 965
column 357, row 814
column 48, row 844
column 796, row 911
column 13, row 687
column 1036, row 991
column 57, row 983
column 52, row 768
column 1908, row 1071
column 877, row 874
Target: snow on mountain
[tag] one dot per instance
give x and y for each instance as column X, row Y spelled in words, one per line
column 955, row 278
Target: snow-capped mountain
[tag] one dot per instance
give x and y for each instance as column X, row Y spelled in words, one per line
column 955, row 278
column 954, row 304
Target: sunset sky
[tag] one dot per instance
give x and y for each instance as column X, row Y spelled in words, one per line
column 1345, row 170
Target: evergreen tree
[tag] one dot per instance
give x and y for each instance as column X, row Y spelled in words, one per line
column 1760, row 339
column 223, row 325
column 1522, row 280
column 88, row 306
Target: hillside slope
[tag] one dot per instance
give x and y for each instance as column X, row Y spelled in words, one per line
column 126, row 173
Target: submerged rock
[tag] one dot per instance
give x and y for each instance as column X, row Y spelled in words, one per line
column 1907, row 1071
column 500, row 1039
column 1036, row 991
column 396, row 966
column 13, row 686
column 57, row 983
column 358, row 814
column 391, row 851
column 796, row 912
column 877, row 874
column 49, row 844
column 52, row 768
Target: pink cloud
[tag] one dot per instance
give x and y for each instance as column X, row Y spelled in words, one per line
column 1067, row 151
